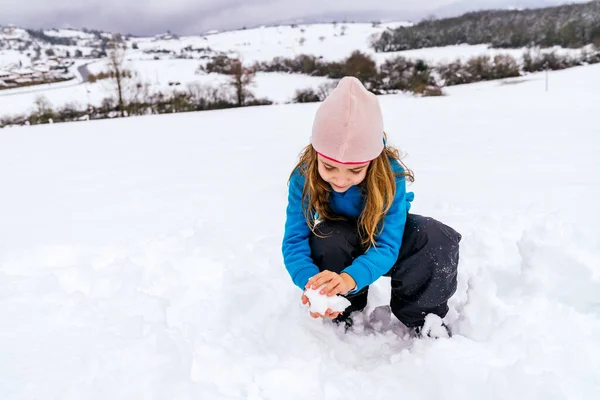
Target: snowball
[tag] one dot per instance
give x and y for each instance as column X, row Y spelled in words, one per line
column 319, row 303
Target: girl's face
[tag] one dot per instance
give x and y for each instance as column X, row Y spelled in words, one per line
column 341, row 177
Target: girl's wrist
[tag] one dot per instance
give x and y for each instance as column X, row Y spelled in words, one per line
column 349, row 280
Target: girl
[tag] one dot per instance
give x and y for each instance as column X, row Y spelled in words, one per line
column 347, row 218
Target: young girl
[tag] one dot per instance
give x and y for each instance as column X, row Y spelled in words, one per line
column 348, row 220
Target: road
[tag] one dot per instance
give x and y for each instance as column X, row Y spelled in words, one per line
column 82, row 70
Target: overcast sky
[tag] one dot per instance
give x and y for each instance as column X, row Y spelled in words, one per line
column 144, row 17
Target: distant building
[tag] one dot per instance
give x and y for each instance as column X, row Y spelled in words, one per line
column 8, row 30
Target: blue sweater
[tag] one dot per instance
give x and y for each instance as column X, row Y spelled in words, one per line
column 366, row 268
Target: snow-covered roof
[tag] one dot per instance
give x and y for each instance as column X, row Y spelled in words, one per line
column 24, row 71
column 41, row 68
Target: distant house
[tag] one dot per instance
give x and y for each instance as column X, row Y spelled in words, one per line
column 43, row 69
column 8, row 77
column 7, row 30
column 23, row 80
column 25, row 72
column 166, row 36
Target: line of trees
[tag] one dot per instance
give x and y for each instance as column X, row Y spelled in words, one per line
column 394, row 75
column 573, row 26
column 130, row 97
column 54, row 40
column 195, row 97
column 418, row 76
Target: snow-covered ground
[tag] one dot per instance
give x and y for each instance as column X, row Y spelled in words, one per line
column 69, row 33
column 140, row 257
column 13, row 58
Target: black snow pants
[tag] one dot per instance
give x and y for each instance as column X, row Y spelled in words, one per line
column 422, row 279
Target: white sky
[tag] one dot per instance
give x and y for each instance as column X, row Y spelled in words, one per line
column 197, row 16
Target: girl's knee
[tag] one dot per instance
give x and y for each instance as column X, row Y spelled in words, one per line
column 436, row 234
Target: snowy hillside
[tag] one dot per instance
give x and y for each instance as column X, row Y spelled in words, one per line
column 140, row 257
column 166, row 60
column 331, row 41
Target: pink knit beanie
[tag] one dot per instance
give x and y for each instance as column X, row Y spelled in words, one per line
column 348, row 126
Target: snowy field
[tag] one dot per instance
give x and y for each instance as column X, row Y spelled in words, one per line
column 140, row 258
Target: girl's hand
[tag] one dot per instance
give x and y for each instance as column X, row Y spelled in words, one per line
column 328, row 313
column 334, row 283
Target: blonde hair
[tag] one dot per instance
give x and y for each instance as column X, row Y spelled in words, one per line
column 378, row 188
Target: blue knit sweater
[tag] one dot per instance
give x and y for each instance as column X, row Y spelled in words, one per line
column 366, row 268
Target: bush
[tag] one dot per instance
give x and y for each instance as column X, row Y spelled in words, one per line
column 333, row 70
column 220, row 64
column 505, row 66
column 395, row 74
column 360, row 66
column 306, row 96
column 452, row 73
column 108, row 75
column 310, row 95
column 541, row 61
column 431, row 91
column 69, row 112
column 301, row 64
column 479, row 68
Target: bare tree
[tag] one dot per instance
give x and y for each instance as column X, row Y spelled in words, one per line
column 116, row 64
column 241, row 79
column 325, row 89
column 44, row 111
column 42, row 105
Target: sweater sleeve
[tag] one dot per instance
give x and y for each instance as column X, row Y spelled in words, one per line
column 295, row 246
column 379, row 259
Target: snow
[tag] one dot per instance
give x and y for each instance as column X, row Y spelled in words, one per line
column 11, row 58
column 69, row 33
column 320, row 303
column 141, row 257
column 15, row 34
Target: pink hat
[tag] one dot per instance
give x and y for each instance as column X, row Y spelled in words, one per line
column 348, row 126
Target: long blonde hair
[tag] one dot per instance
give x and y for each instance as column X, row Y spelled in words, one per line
column 378, row 188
